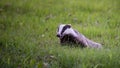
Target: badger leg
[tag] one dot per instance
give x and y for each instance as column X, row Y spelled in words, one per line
column 64, row 39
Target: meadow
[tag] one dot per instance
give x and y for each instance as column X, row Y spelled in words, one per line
column 28, row 33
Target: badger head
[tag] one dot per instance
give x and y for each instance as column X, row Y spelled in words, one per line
column 61, row 29
column 65, row 29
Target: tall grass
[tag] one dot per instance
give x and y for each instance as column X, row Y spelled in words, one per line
column 28, row 33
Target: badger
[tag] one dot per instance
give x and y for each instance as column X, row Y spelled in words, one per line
column 67, row 34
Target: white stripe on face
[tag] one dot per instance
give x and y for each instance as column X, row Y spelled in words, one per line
column 60, row 29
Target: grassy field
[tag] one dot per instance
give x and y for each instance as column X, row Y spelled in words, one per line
column 28, row 33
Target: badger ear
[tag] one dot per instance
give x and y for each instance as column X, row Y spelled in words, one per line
column 68, row 25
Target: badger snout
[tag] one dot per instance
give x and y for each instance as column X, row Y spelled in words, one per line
column 59, row 36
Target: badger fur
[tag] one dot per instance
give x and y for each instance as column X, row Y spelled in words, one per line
column 67, row 34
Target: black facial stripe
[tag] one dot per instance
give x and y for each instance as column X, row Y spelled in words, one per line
column 64, row 28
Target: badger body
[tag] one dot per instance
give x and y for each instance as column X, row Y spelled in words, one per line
column 67, row 34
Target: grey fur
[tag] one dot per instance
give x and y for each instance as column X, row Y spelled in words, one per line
column 87, row 42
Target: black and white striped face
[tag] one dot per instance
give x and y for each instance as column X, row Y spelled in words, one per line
column 61, row 29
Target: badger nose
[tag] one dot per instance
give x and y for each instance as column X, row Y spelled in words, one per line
column 58, row 35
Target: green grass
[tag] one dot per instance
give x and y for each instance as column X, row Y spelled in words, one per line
column 28, row 33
